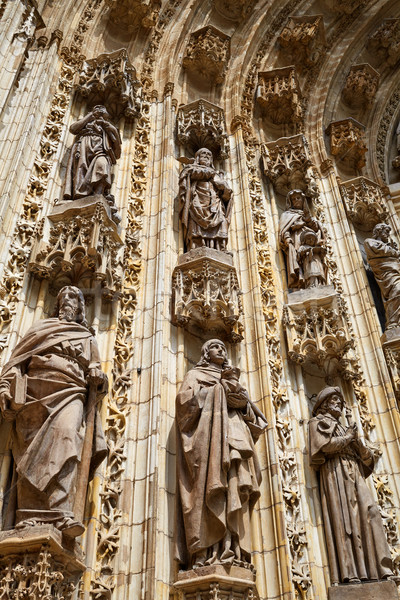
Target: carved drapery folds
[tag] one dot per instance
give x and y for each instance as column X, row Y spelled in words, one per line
column 317, row 333
column 303, row 39
column 278, row 95
column 130, row 14
column 38, row 565
column 361, row 86
column 206, row 294
column 202, row 124
column 347, row 142
column 391, row 348
column 365, row 202
column 287, row 163
column 208, row 53
column 78, row 244
column 385, row 42
column 234, row 10
column 110, row 79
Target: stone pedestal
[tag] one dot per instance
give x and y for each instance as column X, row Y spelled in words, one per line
column 317, row 334
column 77, row 244
column 373, row 590
column 38, row 562
column 206, row 294
column 217, row 582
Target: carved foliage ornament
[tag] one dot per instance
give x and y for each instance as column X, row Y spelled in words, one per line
column 286, row 162
column 365, row 202
column 385, row 42
column 131, row 14
column 202, row 124
column 303, row 39
column 110, row 80
column 207, row 295
column 208, row 53
column 347, row 142
column 361, row 86
column 278, row 94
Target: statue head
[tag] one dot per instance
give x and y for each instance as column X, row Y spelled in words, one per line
column 382, row 232
column 70, row 305
column 213, row 351
column 100, row 111
column 297, row 199
column 204, row 157
column 308, row 236
column 329, row 400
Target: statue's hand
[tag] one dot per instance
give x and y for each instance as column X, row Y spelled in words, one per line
column 96, row 377
column 352, row 432
column 236, row 400
column 5, row 400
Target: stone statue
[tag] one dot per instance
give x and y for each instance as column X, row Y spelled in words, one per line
column 97, row 146
column 49, row 390
column 306, row 269
column 310, row 257
column 218, row 474
column 384, row 260
column 355, row 538
column 205, row 203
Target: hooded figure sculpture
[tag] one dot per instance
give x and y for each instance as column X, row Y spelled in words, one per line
column 204, row 203
column 218, row 474
column 355, row 538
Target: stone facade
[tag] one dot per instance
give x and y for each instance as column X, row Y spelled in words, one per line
column 285, row 96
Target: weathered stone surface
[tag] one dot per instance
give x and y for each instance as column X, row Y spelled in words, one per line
column 355, row 538
column 217, row 427
column 38, row 563
column 373, row 590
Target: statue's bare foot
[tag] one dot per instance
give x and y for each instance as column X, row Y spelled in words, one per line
column 26, row 523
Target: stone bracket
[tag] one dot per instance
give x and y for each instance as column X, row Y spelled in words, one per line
column 303, row 39
column 361, row 86
column 347, row 142
column 317, row 333
column 206, row 294
column 77, row 244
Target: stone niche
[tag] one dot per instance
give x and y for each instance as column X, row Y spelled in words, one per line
column 317, row 334
column 207, row 54
column 206, row 294
column 201, row 124
column 217, row 582
column 278, row 94
column 360, row 86
column 347, row 142
column 365, row 202
column 78, row 244
column 37, row 563
column 110, row 79
column 303, row 40
column 287, row 164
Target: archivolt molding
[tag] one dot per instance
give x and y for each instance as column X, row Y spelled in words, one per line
column 15, row 269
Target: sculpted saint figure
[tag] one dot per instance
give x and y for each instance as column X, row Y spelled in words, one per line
column 355, row 538
column 218, row 474
column 384, row 260
column 311, row 259
column 97, row 146
column 45, row 390
column 295, row 220
column 205, row 203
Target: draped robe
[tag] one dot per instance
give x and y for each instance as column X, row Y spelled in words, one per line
column 47, row 373
column 385, row 264
column 218, row 473
column 355, row 537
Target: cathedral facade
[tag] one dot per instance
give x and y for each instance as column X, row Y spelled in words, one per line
column 218, row 183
